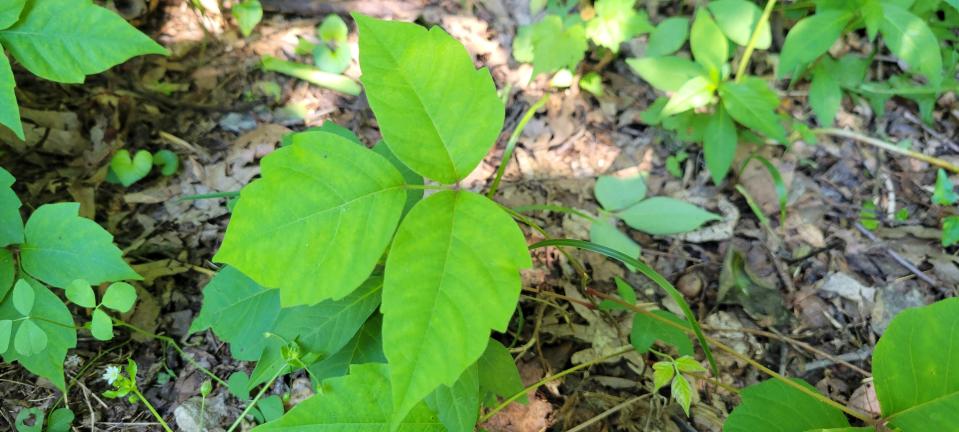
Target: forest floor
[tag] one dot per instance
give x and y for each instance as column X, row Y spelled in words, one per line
column 821, row 287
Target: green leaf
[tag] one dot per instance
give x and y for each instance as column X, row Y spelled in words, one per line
column 497, row 371
column 168, row 162
column 316, row 198
column 6, row 330
column 719, row 144
column 365, row 347
column 239, row 311
column 332, row 60
column 353, row 403
column 688, row 364
column 11, row 224
column 915, row 368
column 437, row 113
column 81, row 294
column 129, row 171
column 593, row 83
column 738, row 19
column 810, row 38
column 616, row 21
column 333, row 29
column 773, row 406
column 663, row 373
column 248, row 14
column 62, row 247
column 708, row 44
column 101, row 326
column 944, row 193
column 25, row 415
column 65, row 47
column 9, row 109
column 120, row 296
column 410, row 177
column 451, row 276
column 603, row 232
column 665, row 216
column 626, row 293
column 825, row 94
column 695, row 93
column 30, row 339
column 60, row 420
column 458, row 405
column 910, row 39
column 950, row 231
column 647, row 331
column 23, row 297
column 615, row 193
column 682, row 392
column 751, row 103
column 872, row 17
column 10, row 12
column 555, row 46
column 667, row 74
column 670, row 35
column 8, row 272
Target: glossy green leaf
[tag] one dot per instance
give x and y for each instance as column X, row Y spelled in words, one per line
column 248, row 14
column 239, row 311
column 120, row 296
column 665, row 216
column 616, row 21
column 30, row 339
column 708, row 43
column 365, row 347
column 353, row 403
column 9, row 109
column 62, row 247
column 6, row 333
column 910, row 39
column 65, row 47
column 663, row 373
column 23, row 297
column 773, row 406
column 615, row 193
column 80, row 293
column 57, row 327
column 695, row 93
column 451, row 276
column 825, row 94
column 682, row 392
column 719, row 144
column 497, row 371
column 458, row 405
column 101, row 326
column 436, row 111
column 670, row 35
column 646, row 331
column 810, row 38
column 11, row 224
column 738, row 19
column 10, row 12
column 333, row 29
column 603, row 232
column 751, row 103
column 8, row 272
column 60, row 420
column 916, row 368
column 944, row 193
column 316, row 198
column 667, row 74
column 950, row 231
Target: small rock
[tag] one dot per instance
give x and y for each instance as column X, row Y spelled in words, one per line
column 690, row 284
column 238, row 123
column 850, row 289
column 891, row 300
column 188, row 417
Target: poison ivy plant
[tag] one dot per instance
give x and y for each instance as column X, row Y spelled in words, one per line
column 332, row 52
column 62, row 41
column 55, row 248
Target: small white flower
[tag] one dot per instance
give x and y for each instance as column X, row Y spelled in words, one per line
column 111, row 374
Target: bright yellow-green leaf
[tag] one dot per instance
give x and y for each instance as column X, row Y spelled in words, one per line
column 682, row 392
column 616, row 21
column 120, row 296
column 248, row 14
column 666, row 73
column 752, row 104
column 663, row 373
column 911, row 39
column 80, row 293
column 665, row 216
column 708, row 43
column 809, row 38
column 695, row 93
column 101, row 326
column 10, row 12
column 669, row 36
column 825, row 93
column 738, row 20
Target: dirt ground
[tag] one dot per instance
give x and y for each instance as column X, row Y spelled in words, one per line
column 823, row 287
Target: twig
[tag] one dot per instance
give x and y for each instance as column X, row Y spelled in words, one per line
column 753, row 39
column 609, row 412
column 511, row 143
column 796, row 343
column 887, row 146
column 860, row 355
column 898, row 258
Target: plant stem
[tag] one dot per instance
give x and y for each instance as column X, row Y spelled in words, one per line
column 256, row 398
column 312, row 74
column 209, row 196
column 555, row 208
column 169, row 341
column 511, row 144
column 886, row 146
column 731, row 351
column 751, row 45
column 553, row 377
column 150, row 407
column 427, row 187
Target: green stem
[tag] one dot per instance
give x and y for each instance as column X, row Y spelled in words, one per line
column 312, row 75
column 255, row 399
column 886, row 146
column 555, row 208
column 210, row 196
column 751, row 45
column 511, row 144
column 553, row 377
column 172, row 343
column 427, row 187
column 150, row 407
